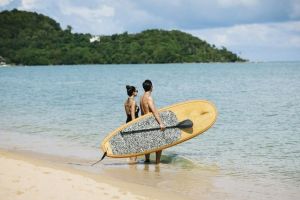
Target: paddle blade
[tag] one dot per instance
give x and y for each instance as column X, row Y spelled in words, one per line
column 185, row 124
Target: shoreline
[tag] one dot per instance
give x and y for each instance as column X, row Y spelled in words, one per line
column 135, row 64
column 26, row 176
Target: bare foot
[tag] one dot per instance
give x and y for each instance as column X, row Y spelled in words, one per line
column 132, row 160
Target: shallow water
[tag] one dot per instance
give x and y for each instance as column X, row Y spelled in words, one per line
column 253, row 148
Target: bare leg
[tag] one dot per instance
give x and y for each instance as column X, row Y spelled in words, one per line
column 147, row 157
column 158, row 154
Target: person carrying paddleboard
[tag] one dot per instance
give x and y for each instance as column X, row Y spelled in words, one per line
column 131, row 109
column 147, row 106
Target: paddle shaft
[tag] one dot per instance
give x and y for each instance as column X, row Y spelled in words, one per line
column 184, row 124
column 144, row 130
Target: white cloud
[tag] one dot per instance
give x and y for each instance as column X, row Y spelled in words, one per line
column 89, row 13
column 295, row 13
column 100, row 18
column 29, row 4
column 133, row 16
column 272, row 37
column 235, row 3
column 273, row 34
column 4, row 2
column 108, row 17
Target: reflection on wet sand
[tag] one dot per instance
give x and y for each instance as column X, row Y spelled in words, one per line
column 174, row 174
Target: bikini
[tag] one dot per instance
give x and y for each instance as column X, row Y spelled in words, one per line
column 129, row 117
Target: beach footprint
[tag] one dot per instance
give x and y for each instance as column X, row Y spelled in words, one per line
column 19, row 192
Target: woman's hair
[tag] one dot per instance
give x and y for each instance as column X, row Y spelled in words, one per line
column 130, row 90
column 147, row 85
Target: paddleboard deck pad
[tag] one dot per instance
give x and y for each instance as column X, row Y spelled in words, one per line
column 128, row 140
column 136, row 142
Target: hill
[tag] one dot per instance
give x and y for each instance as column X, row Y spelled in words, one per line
column 28, row 38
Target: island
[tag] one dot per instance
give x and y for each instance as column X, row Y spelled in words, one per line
column 29, row 38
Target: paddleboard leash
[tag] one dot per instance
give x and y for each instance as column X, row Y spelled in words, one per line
column 104, row 155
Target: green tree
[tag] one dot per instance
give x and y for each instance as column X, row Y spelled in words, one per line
column 29, row 38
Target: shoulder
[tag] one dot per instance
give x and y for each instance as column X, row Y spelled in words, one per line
column 150, row 98
column 131, row 101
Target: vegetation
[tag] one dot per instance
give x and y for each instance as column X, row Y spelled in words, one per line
column 28, row 38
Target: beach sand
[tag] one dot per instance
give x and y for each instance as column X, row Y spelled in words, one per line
column 26, row 177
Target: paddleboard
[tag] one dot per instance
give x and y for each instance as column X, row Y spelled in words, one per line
column 135, row 138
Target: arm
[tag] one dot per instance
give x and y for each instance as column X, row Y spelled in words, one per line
column 142, row 111
column 155, row 113
column 125, row 108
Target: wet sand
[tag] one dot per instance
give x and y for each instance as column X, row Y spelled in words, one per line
column 27, row 177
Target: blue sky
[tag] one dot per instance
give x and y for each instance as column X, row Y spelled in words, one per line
column 258, row 30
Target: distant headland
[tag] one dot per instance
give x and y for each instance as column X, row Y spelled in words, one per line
column 29, row 38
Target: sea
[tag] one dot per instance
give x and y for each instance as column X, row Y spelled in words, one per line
column 252, row 151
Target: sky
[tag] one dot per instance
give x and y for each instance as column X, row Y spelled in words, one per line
column 257, row 30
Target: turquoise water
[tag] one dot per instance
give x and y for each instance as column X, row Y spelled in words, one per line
column 68, row 110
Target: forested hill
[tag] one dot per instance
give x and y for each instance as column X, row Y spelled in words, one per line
column 28, row 38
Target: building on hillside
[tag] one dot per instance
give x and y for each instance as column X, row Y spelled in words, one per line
column 2, row 61
column 95, row 38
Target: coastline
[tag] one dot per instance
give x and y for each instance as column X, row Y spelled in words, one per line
column 25, row 176
column 149, row 64
column 134, row 64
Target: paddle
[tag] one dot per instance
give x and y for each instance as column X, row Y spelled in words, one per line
column 183, row 124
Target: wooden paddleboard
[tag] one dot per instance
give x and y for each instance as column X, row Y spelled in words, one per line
column 117, row 144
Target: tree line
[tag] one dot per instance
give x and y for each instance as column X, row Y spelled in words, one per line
column 29, row 38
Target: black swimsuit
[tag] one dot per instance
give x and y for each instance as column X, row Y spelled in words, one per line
column 129, row 118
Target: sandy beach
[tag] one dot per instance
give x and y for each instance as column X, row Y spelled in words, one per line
column 23, row 177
